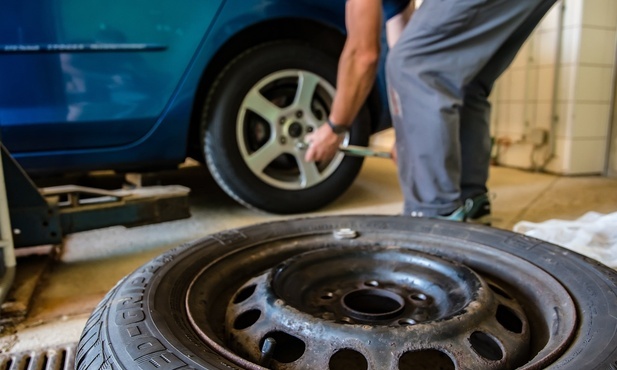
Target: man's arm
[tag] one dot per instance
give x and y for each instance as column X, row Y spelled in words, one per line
column 356, row 74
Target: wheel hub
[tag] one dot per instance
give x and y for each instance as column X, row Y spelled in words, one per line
column 273, row 118
column 295, row 130
column 373, row 306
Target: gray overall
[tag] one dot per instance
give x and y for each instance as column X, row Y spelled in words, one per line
column 440, row 74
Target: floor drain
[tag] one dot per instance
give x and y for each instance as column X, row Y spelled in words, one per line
column 57, row 358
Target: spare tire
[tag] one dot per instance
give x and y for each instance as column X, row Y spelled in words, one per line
column 335, row 292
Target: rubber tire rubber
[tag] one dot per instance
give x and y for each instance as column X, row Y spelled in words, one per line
column 146, row 309
column 221, row 150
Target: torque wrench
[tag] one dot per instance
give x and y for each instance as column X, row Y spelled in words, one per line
column 356, row 151
column 362, row 151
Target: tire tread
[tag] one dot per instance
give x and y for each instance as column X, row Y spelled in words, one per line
column 92, row 351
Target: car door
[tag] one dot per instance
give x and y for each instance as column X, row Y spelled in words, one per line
column 81, row 74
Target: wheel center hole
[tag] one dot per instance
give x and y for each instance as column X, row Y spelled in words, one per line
column 373, row 304
column 295, row 130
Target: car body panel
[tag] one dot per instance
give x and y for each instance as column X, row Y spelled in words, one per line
column 90, row 85
column 92, row 95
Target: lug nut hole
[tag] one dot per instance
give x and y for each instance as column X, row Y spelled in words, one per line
column 509, row 320
column 485, row 346
column 426, row 359
column 346, row 359
column 244, row 294
column 288, row 348
column 246, row 319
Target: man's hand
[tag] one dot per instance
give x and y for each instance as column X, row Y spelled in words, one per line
column 323, row 144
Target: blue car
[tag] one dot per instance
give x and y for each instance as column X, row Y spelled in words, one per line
column 131, row 85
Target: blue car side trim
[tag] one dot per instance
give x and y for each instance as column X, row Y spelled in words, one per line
column 77, row 48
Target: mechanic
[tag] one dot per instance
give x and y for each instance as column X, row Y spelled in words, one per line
column 440, row 73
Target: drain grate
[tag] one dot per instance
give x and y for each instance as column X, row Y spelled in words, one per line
column 57, row 358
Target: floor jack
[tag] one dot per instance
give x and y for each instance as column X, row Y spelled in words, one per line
column 36, row 216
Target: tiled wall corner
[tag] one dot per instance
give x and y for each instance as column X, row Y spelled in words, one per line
column 587, row 156
column 561, row 159
column 585, row 86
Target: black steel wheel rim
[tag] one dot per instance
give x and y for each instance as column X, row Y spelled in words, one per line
column 498, row 311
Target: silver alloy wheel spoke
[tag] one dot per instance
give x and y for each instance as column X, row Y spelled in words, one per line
column 307, row 82
column 259, row 160
column 258, row 103
column 310, row 174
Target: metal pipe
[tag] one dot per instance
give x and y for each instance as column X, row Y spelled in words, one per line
column 6, row 239
column 552, row 137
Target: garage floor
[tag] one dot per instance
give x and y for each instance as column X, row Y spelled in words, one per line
column 52, row 299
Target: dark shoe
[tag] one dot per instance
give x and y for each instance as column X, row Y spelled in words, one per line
column 479, row 209
column 475, row 210
column 459, row 214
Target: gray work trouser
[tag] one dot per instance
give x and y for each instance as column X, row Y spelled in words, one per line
column 440, row 74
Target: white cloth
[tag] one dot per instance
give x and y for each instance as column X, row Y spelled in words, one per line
column 593, row 235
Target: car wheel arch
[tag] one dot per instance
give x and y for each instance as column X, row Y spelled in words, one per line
column 302, row 30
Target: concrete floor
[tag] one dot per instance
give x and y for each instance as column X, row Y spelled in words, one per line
column 65, row 291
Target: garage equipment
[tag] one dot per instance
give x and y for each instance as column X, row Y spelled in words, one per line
column 44, row 216
column 7, row 251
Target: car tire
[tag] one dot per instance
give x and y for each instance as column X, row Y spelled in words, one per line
column 172, row 312
column 253, row 129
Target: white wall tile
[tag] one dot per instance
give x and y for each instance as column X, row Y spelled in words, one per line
column 543, row 117
column 565, row 119
column 508, row 121
column 585, row 84
column 573, row 12
column 594, row 84
column 567, row 83
column 532, row 84
column 518, row 85
column 590, row 121
column 600, row 13
column 587, row 156
column 546, row 78
column 517, row 122
column 570, row 45
column 561, row 159
column 551, row 19
column 516, row 155
column 547, row 47
column 598, row 46
column 504, row 86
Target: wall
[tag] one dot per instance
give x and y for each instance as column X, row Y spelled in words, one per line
column 612, row 167
column 551, row 108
